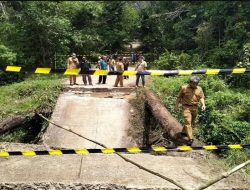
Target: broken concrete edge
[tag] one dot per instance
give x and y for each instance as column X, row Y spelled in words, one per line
column 96, row 89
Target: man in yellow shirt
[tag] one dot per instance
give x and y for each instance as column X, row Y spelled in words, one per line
column 190, row 96
column 72, row 63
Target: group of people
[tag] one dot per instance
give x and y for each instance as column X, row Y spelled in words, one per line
column 106, row 63
column 189, row 95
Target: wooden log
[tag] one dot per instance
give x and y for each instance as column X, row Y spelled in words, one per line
column 171, row 126
column 15, row 121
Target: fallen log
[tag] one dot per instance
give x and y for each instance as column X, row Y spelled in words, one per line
column 15, row 121
column 171, row 126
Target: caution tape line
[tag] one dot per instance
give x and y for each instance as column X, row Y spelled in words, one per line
column 41, row 70
column 121, row 150
column 125, row 54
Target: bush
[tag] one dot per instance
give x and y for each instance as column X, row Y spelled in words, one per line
column 175, row 60
column 7, row 57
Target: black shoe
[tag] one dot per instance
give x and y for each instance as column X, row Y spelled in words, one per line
column 75, row 84
column 71, row 84
column 190, row 142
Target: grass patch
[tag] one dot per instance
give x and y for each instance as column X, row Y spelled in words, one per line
column 20, row 98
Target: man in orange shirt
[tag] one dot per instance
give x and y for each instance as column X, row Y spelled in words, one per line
column 190, row 96
column 72, row 63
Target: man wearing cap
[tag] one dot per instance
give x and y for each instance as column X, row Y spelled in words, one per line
column 190, row 95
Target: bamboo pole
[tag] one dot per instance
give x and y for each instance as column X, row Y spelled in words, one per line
column 223, row 175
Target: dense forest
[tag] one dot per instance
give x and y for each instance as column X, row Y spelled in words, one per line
column 189, row 34
column 173, row 34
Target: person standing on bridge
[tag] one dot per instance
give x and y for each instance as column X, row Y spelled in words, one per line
column 120, row 68
column 85, row 66
column 141, row 66
column 111, row 63
column 190, row 95
column 103, row 66
column 72, row 63
column 126, row 64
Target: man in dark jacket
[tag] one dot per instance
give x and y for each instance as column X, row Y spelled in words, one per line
column 85, row 66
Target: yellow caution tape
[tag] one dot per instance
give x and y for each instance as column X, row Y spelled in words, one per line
column 212, row 71
column 108, row 150
column 4, row 154
column 117, row 150
column 134, row 150
column 187, row 72
column 55, row 152
column 82, row 151
column 13, row 68
column 239, row 70
column 157, row 73
column 185, row 148
column 101, row 72
column 129, row 73
column 28, row 153
column 159, row 148
column 235, row 146
column 210, row 147
column 72, row 72
column 43, row 70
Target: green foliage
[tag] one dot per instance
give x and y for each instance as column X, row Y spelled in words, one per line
column 7, row 57
column 227, row 117
column 216, row 31
column 242, row 80
column 174, row 60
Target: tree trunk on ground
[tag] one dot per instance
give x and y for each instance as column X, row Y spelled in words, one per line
column 163, row 116
column 15, row 121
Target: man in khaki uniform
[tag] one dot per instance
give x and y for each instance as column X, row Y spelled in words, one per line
column 190, row 96
column 119, row 67
column 72, row 63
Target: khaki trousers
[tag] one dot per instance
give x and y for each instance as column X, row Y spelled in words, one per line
column 119, row 79
column 189, row 114
column 72, row 79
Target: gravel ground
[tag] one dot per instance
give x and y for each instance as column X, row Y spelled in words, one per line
column 72, row 186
